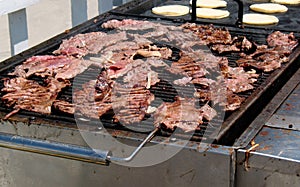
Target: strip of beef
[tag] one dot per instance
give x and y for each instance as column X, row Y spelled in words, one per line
column 285, row 41
column 77, row 45
column 130, row 104
column 264, row 58
column 42, row 65
column 182, row 114
column 128, row 24
column 233, row 101
column 208, row 112
column 186, row 66
column 238, row 44
column 64, row 106
column 29, row 95
column 237, row 80
column 140, row 73
column 88, row 102
column 209, row 34
column 93, row 42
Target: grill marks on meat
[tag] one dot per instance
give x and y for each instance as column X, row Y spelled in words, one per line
column 60, row 67
column 182, row 114
column 64, row 106
column 269, row 58
column 238, row 44
column 129, row 24
column 209, row 34
column 88, row 102
column 130, row 104
column 82, row 44
column 140, row 73
column 279, row 39
column 29, row 95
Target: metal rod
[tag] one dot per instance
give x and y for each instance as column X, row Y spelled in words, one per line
column 194, row 9
column 239, row 22
column 134, row 153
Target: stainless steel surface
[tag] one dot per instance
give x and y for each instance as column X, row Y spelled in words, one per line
column 275, row 162
column 267, row 170
column 267, row 113
column 191, row 167
column 288, row 115
column 135, row 152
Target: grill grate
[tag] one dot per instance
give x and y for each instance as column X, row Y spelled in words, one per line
column 159, row 90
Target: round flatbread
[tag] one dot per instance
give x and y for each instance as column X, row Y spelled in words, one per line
column 171, row 10
column 259, row 19
column 286, row 2
column 269, row 8
column 210, row 3
column 210, row 13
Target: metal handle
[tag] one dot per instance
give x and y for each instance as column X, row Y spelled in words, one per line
column 134, row 153
column 53, row 149
column 194, row 9
column 239, row 22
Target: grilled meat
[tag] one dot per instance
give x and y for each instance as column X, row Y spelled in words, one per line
column 29, row 95
column 83, row 44
column 130, row 104
column 182, row 114
column 285, row 41
column 209, row 34
column 64, row 106
column 88, row 102
column 238, row 44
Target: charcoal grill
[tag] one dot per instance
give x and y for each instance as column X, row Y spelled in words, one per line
column 37, row 133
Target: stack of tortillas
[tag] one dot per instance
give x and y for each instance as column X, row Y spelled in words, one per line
column 207, row 9
column 263, row 19
column 171, row 10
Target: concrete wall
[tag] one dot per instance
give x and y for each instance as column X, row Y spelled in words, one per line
column 48, row 18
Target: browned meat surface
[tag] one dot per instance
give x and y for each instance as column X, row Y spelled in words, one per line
column 238, row 44
column 270, row 58
column 88, row 103
column 209, row 34
column 233, row 101
column 64, row 106
column 128, row 24
column 82, row 44
column 130, row 104
column 60, row 67
column 182, row 114
column 29, row 95
column 265, row 59
column 286, row 41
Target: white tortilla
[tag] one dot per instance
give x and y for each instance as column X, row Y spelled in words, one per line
column 171, row 10
column 210, row 13
column 269, row 8
column 259, row 19
column 210, row 3
column 286, row 2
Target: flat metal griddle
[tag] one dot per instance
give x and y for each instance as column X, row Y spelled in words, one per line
column 288, row 21
column 235, row 123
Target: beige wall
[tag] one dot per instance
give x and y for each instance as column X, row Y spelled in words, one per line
column 45, row 19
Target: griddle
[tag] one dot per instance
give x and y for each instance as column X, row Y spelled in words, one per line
column 235, row 122
column 288, row 21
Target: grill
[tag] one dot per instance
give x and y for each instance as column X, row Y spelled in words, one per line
column 235, row 122
column 287, row 21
